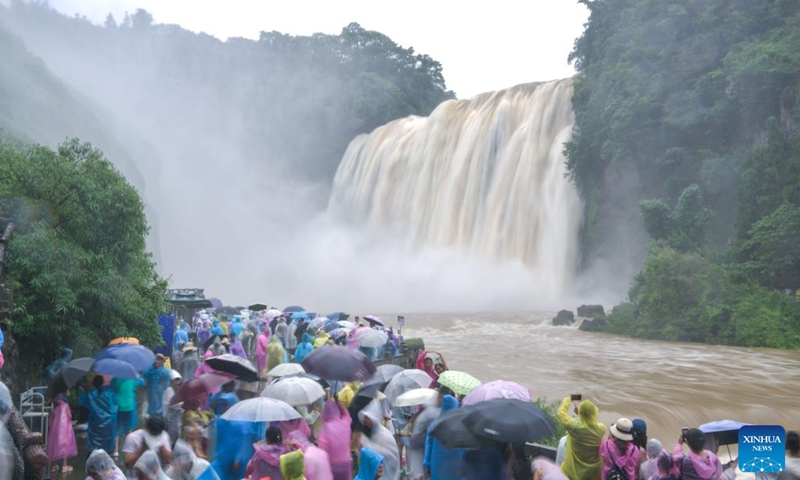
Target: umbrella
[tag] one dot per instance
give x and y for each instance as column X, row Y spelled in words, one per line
column 373, row 320
column 69, row 375
column 317, row 323
column 372, row 338
column 272, row 313
column 227, row 311
column 459, row 382
column 346, row 324
column 311, row 376
column 384, row 373
column 418, row 396
column 331, row 326
column 215, row 302
column 509, row 420
column 497, row 389
column 115, row 368
column 234, row 364
column 286, row 369
column 119, row 340
column 261, row 409
column 726, row 431
column 451, row 431
column 338, row 316
column 298, row 315
column 368, row 390
column 295, row 391
column 337, row 363
column 211, row 339
column 257, row 307
column 294, row 308
column 205, row 383
column 140, row 357
column 405, row 381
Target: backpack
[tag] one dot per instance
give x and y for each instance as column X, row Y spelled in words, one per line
column 615, row 473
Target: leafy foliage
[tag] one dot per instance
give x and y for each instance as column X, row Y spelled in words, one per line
column 550, row 408
column 77, row 263
column 685, row 227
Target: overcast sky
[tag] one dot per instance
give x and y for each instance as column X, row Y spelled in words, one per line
column 496, row 44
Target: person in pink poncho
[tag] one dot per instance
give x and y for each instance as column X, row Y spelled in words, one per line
column 334, row 438
column 618, row 451
column 700, row 464
column 61, row 443
column 266, row 461
column 289, row 426
column 425, row 364
column 315, row 460
column 544, row 469
column 204, row 368
column 261, row 350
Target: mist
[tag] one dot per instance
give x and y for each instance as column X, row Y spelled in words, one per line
column 234, row 210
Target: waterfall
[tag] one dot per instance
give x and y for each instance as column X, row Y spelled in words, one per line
column 483, row 176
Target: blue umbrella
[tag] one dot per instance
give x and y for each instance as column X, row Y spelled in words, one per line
column 293, row 308
column 115, row 368
column 300, row 315
column 338, row 316
column 138, row 356
column 726, row 431
column 331, row 326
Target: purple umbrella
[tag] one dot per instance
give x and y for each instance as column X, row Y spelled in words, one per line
column 140, row 357
column 339, row 363
column 497, row 389
column 115, row 368
column 373, row 320
column 216, row 302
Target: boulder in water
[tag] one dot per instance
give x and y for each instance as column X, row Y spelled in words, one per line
column 591, row 311
column 596, row 324
column 564, row 317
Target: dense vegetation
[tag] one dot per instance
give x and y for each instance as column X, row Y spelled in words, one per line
column 280, row 100
column 687, row 131
column 77, row 263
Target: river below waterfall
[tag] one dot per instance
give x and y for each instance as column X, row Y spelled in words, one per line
column 670, row 385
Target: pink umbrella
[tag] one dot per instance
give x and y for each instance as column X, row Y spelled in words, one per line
column 497, row 389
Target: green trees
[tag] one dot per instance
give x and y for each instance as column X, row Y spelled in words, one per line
column 694, row 104
column 77, row 263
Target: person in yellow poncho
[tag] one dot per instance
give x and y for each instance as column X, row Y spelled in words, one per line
column 347, row 393
column 275, row 353
column 582, row 459
column 322, row 338
column 293, row 466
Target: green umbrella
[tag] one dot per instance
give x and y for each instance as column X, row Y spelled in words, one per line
column 459, row 382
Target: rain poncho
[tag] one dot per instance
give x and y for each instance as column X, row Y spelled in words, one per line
column 650, row 466
column 381, row 440
column 348, row 392
column 221, row 401
column 582, row 458
column 420, row 365
column 370, row 461
column 157, row 381
column 293, row 466
column 237, row 348
column 261, row 351
column 695, row 466
column 316, row 461
column 53, row 368
column 550, row 470
column 61, row 436
column 275, row 353
column 322, row 339
column 290, row 342
column 150, row 466
column 484, row 465
column 303, row 349
column 296, row 425
column 236, row 327
column 100, row 463
column 280, row 330
column 204, row 368
column 186, row 466
column 266, row 461
column 102, row 425
column 203, row 333
column 334, row 438
column 188, row 364
column 216, row 329
column 181, row 336
column 627, row 461
column 415, row 452
column 444, row 463
column 234, row 446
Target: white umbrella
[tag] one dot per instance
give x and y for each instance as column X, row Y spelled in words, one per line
column 405, row 381
column 372, row 338
column 317, row 323
column 261, row 409
column 295, row 391
column 272, row 313
column 346, row 324
column 285, row 369
column 418, row 396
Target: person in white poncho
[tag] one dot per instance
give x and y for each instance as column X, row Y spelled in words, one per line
column 377, row 437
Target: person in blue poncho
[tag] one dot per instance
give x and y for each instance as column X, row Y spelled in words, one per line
column 370, row 466
column 442, row 463
column 234, row 447
column 216, row 329
column 236, row 327
column 156, row 379
column 181, row 336
column 303, row 349
column 221, row 401
column 53, row 369
column 102, row 405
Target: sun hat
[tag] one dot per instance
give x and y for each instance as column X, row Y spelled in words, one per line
column 188, row 346
column 622, row 430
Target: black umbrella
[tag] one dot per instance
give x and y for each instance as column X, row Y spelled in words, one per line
column 451, row 431
column 211, row 339
column 363, row 397
column 228, row 311
column 234, row 364
column 509, row 420
column 69, row 375
column 257, row 307
column 339, row 363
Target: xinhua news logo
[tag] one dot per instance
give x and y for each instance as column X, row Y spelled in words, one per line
column 762, row 448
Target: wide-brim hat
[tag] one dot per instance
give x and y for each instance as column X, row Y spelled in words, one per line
column 188, row 346
column 225, row 341
column 622, row 430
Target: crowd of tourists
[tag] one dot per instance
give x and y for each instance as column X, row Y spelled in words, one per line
column 351, row 431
